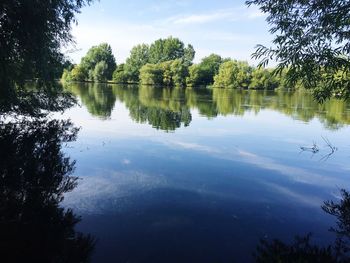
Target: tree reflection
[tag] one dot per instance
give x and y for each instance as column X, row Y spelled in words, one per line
column 34, row 175
column 159, row 118
column 35, row 99
column 163, row 109
column 201, row 99
column 301, row 250
column 173, row 104
column 98, row 98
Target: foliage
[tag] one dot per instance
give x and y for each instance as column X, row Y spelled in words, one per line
column 97, row 65
column 179, row 71
column 101, row 72
column 189, row 55
column 120, row 75
column 66, row 64
column 341, row 211
column 233, row 74
column 169, row 58
column 170, row 49
column 160, row 52
column 139, row 56
column 78, row 73
column 100, row 56
column 31, row 35
column 151, row 74
column 263, row 79
column 168, row 73
column 204, row 72
column 300, row 251
column 312, row 41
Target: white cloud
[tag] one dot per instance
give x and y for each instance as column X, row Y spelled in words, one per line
column 235, row 14
column 256, row 14
column 198, row 19
column 162, row 6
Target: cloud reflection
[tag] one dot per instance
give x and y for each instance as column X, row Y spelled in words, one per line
column 296, row 174
column 111, row 187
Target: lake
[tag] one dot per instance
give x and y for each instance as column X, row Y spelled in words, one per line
column 201, row 175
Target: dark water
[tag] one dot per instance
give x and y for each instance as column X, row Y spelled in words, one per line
column 186, row 175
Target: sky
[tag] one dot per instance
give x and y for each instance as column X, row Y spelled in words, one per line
column 225, row 27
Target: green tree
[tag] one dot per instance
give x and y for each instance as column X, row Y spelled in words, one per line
column 166, row 49
column 195, row 75
column 233, row 74
column 263, row 79
column 120, row 75
column 139, row 56
column 77, row 74
column 31, row 35
column 65, row 65
column 168, row 73
column 66, row 75
column 101, row 73
column 151, row 74
column 189, row 55
column 94, row 56
column 179, row 72
column 312, row 41
column 204, row 72
column 169, row 49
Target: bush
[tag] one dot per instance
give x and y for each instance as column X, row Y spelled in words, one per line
column 233, row 74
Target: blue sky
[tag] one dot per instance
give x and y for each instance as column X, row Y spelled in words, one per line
column 228, row 28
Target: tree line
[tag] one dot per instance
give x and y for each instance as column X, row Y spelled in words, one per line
column 168, row 62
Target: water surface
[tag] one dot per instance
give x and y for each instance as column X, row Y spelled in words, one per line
column 189, row 175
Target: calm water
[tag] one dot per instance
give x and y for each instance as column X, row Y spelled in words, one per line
column 186, row 175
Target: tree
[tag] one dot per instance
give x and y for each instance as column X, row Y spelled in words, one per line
column 169, row 49
column 263, row 79
column 120, row 75
column 312, row 41
column 31, row 34
column 168, row 73
column 151, row 74
column 179, row 71
column 101, row 72
column 233, row 74
column 195, row 76
column 95, row 55
column 139, row 56
column 166, row 49
column 77, row 74
column 189, row 55
column 204, row 72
